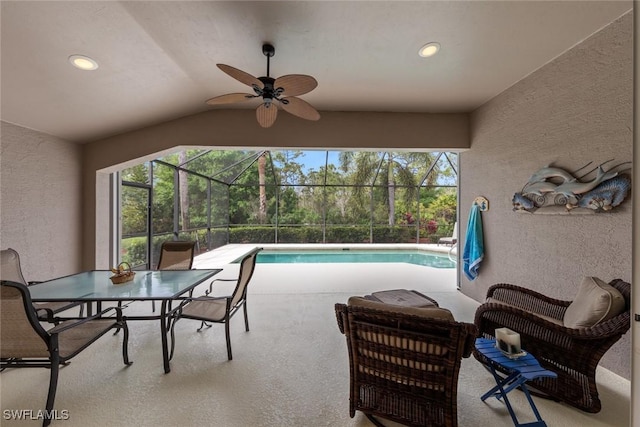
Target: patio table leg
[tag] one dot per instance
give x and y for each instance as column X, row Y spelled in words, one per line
column 163, row 333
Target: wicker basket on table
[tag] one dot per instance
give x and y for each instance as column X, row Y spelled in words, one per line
column 122, row 274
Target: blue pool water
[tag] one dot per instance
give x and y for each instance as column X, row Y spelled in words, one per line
column 355, row 256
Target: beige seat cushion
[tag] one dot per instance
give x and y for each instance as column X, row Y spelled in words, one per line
column 431, row 312
column 402, row 297
column 595, row 302
column 206, row 308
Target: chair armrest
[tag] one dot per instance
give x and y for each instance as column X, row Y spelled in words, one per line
column 48, row 313
column 528, row 300
column 206, row 297
column 470, row 340
column 490, row 315
column 535, row 332
column 495, row 310
column 218, row 280
column 69, row 324
column 617, row 325
column 341, row 310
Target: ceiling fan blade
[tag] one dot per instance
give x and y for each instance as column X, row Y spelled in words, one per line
column 240, row 75
column 266, row 114
column 230, row 98
column 300, row 108
column 295, row 84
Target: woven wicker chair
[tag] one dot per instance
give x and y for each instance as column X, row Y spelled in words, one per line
column 24, row 343
column 573, row 354
column 403, row 362
column 11, row 270
column 220, row 309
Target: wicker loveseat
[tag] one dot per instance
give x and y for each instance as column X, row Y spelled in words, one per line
column 404, row 361
column 573, row 353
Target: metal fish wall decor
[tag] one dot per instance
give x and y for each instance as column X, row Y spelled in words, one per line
column 552, row 186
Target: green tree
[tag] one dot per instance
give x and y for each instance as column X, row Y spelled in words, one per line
column 337, row 196
column 386, row 171
column 244, row 184
column 443, row 210
column 183, row 191
column 138, row 174
column 288, row 168
column 163, row 191
column 133, row 200
column 262, row 180
column 290, row 211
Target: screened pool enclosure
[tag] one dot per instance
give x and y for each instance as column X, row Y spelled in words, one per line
column 215, row 197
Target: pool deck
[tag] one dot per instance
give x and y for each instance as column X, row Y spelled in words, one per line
column 227, row 254
column 357, row 278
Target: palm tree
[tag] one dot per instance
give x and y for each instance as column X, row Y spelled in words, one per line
column 393, row 168
column 262, row 180
column 388, row 171
column 183, row 191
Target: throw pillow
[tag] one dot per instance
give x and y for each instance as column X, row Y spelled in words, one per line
column 595, row 302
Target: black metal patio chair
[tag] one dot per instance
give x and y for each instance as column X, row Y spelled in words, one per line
column 11, row 270
column 24, row 343
column 220, row 309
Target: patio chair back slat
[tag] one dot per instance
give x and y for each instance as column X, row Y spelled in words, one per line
column 19, row 336
column 10, row 266
column 247, row 268
column 176, row 255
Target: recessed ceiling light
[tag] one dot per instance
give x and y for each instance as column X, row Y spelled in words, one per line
column 429, row 49
column 83, row 62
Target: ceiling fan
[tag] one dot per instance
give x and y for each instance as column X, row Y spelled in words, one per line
column 284, row 90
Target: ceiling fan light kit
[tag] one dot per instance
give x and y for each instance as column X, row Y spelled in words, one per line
column 283, row 90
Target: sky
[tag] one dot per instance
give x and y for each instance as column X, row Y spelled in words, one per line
column 316, row 159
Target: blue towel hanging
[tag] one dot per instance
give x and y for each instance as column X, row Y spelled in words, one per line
column 473, row 245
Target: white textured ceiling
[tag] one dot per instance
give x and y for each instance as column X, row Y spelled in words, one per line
column 158, row 59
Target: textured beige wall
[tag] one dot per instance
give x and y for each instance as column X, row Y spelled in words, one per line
column 576, row 109
column 40, row 209
column 239, row 129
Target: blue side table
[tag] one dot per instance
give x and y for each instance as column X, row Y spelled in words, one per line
column 520, row 370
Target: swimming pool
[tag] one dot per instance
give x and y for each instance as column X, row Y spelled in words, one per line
column 355, row 256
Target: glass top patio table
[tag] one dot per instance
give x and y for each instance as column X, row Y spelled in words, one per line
column 96, row 286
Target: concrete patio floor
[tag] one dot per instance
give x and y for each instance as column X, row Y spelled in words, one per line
column 290, row 370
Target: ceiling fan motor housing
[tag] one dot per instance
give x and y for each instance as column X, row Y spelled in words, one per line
column 268, row 50
column 268, row 92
